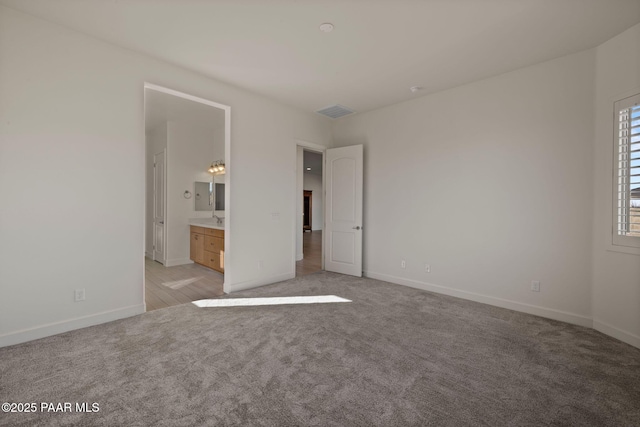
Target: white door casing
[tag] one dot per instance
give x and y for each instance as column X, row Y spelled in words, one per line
column 159, row 206
column 343, row 210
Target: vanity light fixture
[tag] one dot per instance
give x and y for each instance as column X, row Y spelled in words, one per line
column 217, row 168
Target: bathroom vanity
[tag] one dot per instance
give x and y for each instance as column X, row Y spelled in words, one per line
column 207, row 245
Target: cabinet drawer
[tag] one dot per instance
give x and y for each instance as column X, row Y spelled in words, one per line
column 212, row 260
column 196, row 229
column 214, row 232
column 213, row 244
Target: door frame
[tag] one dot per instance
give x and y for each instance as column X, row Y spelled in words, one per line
column 298, row 197
column 227, row 176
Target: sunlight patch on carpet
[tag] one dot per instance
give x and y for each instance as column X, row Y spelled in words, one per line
column 243, row 302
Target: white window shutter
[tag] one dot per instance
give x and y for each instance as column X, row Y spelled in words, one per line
column 627, row 173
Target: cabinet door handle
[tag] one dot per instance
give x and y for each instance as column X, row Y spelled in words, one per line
column 357, row 227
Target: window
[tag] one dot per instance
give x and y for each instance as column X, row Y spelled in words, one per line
column 627, row 172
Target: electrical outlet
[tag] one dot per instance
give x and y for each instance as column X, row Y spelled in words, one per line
column 427, row 268
column 403, row 264
column 261, row 264
column 79, row 295
column 535, row 286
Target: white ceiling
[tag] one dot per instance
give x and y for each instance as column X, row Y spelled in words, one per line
column 378, row 49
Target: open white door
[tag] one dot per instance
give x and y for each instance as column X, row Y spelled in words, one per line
column 159, row 163
column 343, row 210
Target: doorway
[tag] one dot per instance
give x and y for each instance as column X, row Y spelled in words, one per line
column 184, row 135
column 310, row 211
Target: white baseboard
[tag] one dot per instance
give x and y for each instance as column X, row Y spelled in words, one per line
column 614, row 332
column 549, row 313
column 148, row 255
column 69, row 325
column 177, row 261
column 235, row 287
column 299, row 257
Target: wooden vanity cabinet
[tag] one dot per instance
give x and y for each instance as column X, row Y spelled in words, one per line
column 207, row 247
column 197, row 245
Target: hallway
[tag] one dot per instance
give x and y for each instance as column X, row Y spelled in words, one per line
column 312, row 250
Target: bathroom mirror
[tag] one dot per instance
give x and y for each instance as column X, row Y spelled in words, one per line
column 208, row 195
column 203, row 196
column 218, row 192
column 219, row 196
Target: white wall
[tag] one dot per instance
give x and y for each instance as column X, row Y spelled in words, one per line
column 491, row 184
column 155, row 142
column 191, row 145
column 72, row 121
column 313, row 182
column 616, row 275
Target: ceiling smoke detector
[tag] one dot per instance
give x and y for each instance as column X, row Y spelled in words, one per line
column 415, row 89
column 327, row 27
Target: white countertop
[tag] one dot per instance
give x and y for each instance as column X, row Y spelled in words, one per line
column 207, row 223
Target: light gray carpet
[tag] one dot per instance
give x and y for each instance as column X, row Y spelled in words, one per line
column 395, row 356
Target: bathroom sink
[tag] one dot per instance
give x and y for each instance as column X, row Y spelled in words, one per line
column 207, row 222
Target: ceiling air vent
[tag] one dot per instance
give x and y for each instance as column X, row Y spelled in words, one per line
column 335, row 111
